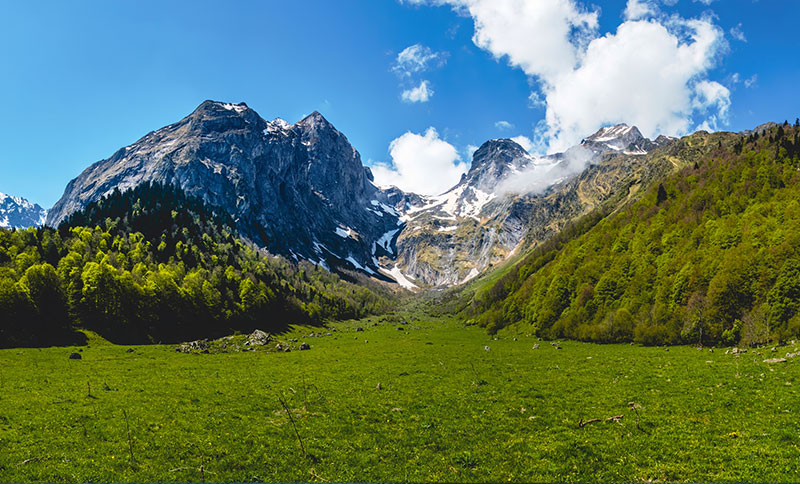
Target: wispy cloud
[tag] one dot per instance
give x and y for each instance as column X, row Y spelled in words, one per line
column 410, row 63
column 503, row 125
column 419, row 94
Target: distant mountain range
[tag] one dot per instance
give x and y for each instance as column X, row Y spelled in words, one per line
column 301, row 191
column 18, row 213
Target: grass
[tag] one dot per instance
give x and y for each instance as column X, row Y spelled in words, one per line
column 446, row 410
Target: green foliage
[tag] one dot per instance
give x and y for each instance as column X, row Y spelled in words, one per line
column 446, row 412
column 154, row 265
column 711, row 254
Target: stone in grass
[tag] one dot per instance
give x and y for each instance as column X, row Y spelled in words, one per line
column 74, row 356
column 775, row 360
column 400, row 328
column 258, row 338
column 536, row 346
column 305, row 346
column 359, row 330
column 130, row 350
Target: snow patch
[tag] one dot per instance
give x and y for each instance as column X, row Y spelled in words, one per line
column 452, row 228
column 472, row 274
column 399, row 277
column 345, row 233
column 385, row 241
column 355, row 263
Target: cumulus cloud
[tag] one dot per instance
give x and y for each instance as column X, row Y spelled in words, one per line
column 421, row 163
column 649, row 72
column 523, row 141
column 637, row 9
column 419, row 94
column 503, row 125
column 417, row 58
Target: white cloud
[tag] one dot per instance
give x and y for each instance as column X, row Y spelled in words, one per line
column 751, row 81
column 423, row 164
column 523, row 141
column 503, row 125
column 649, row 72
column 417, row 58
column 704, row 2
column 737, row 33
column 419, row 94
column 712, row 94
column 637, row 9
column 535, row 100
column 471, row 149
column 643, row 75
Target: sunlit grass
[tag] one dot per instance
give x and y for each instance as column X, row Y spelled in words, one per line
column 447, row 409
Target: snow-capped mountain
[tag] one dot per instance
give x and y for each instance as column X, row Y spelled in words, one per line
column 299, row 190
column 18, row 213
column 507, row 193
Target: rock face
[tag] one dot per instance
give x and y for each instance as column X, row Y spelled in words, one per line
column 509, row 197
column 299, row 190
column 18, row 213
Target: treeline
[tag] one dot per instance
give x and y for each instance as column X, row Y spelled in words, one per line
column 711, row 255
column 153, row 265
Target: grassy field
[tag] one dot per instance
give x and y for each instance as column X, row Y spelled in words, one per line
column 427, row 403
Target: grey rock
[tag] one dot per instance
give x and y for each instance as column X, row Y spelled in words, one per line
column 298, row 190
column 305, row 346
column 74, row 356
column 258, row 338
column 776, row 360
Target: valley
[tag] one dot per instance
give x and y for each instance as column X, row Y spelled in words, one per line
column 436, row 401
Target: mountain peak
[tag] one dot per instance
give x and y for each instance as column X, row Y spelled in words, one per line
column 315, row 119
column 502, row 150
column 618, row 131
column 216, row 106
column 18, row 213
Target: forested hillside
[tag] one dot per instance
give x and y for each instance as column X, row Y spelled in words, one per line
column 153, row 265
column 710, row 255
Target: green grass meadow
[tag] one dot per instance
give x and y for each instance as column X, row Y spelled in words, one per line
column 426, row 403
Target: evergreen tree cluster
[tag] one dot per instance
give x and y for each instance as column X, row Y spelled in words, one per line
column 153, row 265
column 710, row 255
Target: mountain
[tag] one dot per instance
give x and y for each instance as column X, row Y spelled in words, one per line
column 511, row 199
column 706, row 254
column 18, row 213
column 152, row 264
column 299, row 190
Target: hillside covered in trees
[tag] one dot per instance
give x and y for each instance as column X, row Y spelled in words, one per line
column 152, row 265
column 711, row 255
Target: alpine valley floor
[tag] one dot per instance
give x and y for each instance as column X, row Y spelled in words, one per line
column 431, row 401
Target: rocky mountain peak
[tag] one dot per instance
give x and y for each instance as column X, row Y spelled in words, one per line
column 18, row 213
column 619, row 138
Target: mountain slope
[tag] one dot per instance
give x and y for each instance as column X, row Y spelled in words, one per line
column 709, row 255
column 18, row 213
column 510, row 199
column 151, row 264
column 299, row 190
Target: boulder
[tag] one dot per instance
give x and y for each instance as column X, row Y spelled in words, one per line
column 74, row 356
column 258, row 338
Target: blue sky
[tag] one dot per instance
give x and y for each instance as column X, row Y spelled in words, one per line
column 84, row 78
